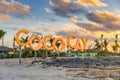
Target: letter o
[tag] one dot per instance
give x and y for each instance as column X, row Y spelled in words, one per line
column 31, row 42
column 62, row 44
column 44, row 42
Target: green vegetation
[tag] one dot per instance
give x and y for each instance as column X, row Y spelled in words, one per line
column 3, row 55
column 102, row 47
column 116, row 46
column 2, row 33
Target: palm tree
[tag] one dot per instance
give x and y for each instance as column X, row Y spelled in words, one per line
column 102, row 41
column 51, row 40
column 116, row 46
column 35, row 41
column 2, row 33
column 24, row 40
column 105, row 44
column 97, row 45
column 58, row 45
column 14, row 46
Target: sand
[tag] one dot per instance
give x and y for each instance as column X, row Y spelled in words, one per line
column 10, row 69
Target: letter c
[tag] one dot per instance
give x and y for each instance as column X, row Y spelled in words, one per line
column 18, row 35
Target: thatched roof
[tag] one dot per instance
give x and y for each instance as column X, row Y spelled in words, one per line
column 4, row 48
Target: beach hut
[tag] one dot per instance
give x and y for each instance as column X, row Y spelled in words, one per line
column 6, row 50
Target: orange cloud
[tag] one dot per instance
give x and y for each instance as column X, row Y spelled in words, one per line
column 67, row 30
column 13, row 6
column 104, row 16
column 4, row 17
column 108, row 20
column 91, row 3
column 67, row 1
column 65, row 8
column 101, row 22
column 90, row 26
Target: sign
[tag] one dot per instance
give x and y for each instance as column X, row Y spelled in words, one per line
column 80, row 44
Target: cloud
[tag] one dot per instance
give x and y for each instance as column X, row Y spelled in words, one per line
column 49, row 11
column 69, row 30
column 54, row 20
column 91, row 26
column 64, row 31
column 91, row 3
column 64, row 8
column 117, row 11
column 103, row 16
column 41, row 26
column 4, row 17
column 99, row 21
column 77, row 33
column 13, row 7
column 68, row 8
column 108, row 20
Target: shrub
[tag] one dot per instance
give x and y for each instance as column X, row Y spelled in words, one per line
column 62, row 54
column 27, row 54
column 15, row 55
column 3, row 55
column 103, row 53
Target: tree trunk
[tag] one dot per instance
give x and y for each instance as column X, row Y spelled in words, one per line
column 35, row 56
column 20, row 54
column 3, row 41
column 46, row 55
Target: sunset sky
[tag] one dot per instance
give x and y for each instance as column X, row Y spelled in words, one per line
column 84, row 18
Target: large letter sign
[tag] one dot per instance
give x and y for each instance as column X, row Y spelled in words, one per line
column 79, row 44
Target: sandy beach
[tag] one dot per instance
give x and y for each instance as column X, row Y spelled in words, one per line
column 10, row 69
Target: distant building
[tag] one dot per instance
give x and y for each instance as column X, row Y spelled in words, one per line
column 6, row 50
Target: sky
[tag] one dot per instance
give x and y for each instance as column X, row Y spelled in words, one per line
column 83, row 18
